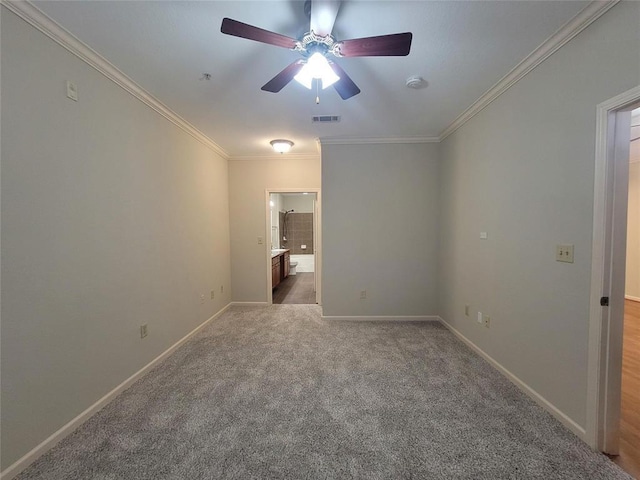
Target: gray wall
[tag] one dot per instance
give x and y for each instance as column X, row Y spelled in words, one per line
column 380, row 229
column 249, row 180
column 111, row 217
column 523, row 171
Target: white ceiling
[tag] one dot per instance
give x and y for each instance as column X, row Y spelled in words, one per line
column 462, row 48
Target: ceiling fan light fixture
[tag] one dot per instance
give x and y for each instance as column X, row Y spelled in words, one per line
column 281, row 145
column 317, row 66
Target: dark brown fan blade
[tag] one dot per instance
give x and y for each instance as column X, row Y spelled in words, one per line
column 243, row 30
column 278, row 82
column 394, row 45
column 345, row 86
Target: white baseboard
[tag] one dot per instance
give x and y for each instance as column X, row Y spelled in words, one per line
column 535, row 396
column 632, row 298
column 383, row 318
column 21, row 464
column 249, row 304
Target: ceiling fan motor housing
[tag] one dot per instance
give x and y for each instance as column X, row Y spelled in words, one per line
column 312, row 43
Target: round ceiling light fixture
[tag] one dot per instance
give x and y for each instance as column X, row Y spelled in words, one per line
column 416, row 82
column 281, row 145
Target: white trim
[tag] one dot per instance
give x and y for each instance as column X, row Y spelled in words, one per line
column 632, row 298
column 375, row 140
column 22, row 463
column 599, row 340
column 531, row 393
column 573, row 27
column 249, row 304
column 382, row 318
column 35, row 17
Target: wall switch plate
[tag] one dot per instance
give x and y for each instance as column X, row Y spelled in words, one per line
column 260, row 240
column 479, row 317
column 201, row 298
column 213, row 294
column 486, row 320
column 484, row 235
column 143, row 330
column 363, row 294
column 466, row 310
column 564, row 253
column 72, row 91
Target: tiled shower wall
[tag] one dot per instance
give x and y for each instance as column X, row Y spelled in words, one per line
column 299, row 231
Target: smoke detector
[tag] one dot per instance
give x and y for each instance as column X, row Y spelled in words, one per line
column 416, row 82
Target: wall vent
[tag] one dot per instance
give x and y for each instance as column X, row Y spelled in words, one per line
column 325, row 118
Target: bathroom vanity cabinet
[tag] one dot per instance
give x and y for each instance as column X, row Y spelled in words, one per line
column 280, row 261
column 275, row 271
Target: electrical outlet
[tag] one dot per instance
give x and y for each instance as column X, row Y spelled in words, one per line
column 213, row 294
column 479, row 317
column 201, row 298
column 466, row 310
column 487, row 321
column 143, row 330
column 363, row 294
column 564, row 253
column 260, row 240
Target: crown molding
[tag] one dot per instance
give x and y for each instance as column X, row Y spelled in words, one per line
column 275, row 156
column 573, row 27
column 375, row 140
column 38, row 19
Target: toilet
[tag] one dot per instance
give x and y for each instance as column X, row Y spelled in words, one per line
column 292, row 268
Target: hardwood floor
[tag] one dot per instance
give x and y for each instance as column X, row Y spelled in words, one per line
column 629, row 458
column 295, row 289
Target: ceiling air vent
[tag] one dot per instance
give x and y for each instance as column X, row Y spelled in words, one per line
column 325, row 118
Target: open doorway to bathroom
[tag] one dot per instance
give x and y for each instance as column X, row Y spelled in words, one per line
column 294, row 241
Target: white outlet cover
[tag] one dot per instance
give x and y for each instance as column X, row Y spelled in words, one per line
column 564, row 253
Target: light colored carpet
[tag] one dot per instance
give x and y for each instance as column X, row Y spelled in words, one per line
column 279, row 393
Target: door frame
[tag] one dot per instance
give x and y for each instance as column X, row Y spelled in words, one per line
column 318, row 237
column 611, row 182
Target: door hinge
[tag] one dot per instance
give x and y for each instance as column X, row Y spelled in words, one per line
column 604, row 301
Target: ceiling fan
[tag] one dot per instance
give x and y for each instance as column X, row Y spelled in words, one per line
column 318, row 46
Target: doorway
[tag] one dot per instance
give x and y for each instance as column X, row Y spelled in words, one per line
column 294, row 254
column 608, row 302
column 629, row 443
